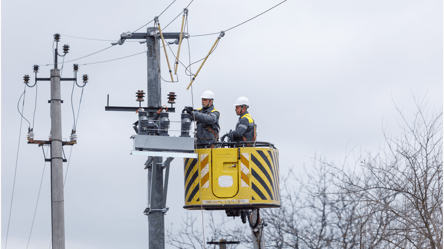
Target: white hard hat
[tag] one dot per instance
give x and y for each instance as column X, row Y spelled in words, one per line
column 242, row 101
column 207, row 95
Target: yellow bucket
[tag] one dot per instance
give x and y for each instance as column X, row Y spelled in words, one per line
column 232, row 178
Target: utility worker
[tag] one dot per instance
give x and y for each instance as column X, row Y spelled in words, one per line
column 207, row 119
column 245, row 127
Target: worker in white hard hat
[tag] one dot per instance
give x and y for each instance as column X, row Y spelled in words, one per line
column 245, row 127
column 207, row 119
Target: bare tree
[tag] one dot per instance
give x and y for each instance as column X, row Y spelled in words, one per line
column 190, row 234
column 404, row 184
column 392, row 199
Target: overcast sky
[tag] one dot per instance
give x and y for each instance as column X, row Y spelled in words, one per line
column 322, row 77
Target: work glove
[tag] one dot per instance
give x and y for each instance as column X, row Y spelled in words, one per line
column 223, row 137
column 229, row 135
column 189, row 109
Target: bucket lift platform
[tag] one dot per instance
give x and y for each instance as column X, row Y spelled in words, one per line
column 233, row 176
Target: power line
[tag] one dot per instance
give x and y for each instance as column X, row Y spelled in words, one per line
column 72, row 106
column 205, row 34
column 255, row 16
column 37, row 203
column 153, row 19
column 35, row 106
column 44, row 65
column 15, row 171
column 113, row 59
column 82, row 56
column 18, row 104
column 178, row 15
column 242, row 22
column 91, row 39
column 84, row 38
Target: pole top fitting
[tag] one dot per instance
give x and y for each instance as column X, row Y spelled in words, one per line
column 57, row 37
column 65, row 48
column 222, row 34
column 36, row 68
column 76, row 67
column 171, row 98
column 140, row 94
column 185, row 11
column 156, row 19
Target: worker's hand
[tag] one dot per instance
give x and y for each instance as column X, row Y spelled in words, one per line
column 223, row 137
column 189, row 109
column 230, row 135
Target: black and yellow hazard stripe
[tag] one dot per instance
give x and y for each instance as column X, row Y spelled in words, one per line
column 263, row 176
column 191, row 179
column 274, row 158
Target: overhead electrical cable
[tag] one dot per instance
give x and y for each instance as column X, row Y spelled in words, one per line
column 158, row 62
column 67, row 166
column 92, row 39
column 255, row 16
column 178, row 15
column 44, row 65
column 209, row 53
column 35, row 107
column 82, row 56
column 157, row 16
column 76, row 122
column 37, row 202
column 84, row 38
column 16, row 163
column 72, row 107
column 194, row 120
column 18, row 106
column 235, row 26
column 91, row 63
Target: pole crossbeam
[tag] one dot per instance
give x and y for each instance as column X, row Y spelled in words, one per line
column 57, row 156
column 157, row 185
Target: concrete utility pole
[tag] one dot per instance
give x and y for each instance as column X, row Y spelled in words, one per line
column 257, row 229
column 156, row 221
column 57, row 199
column 56, row 143
column 157, row 190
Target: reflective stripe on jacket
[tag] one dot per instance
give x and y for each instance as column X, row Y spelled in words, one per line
column 244, row 128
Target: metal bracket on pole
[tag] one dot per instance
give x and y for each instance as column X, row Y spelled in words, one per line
column 148, row 162
column 257, row 229
column 167, row 173
column 148, row 210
